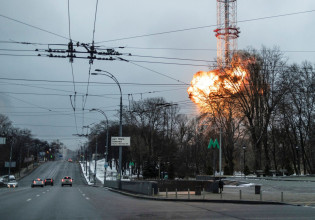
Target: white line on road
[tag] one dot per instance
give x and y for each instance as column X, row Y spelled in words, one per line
column 37, row 195
column 44, row 192
column 28, row 200
column 87, row 198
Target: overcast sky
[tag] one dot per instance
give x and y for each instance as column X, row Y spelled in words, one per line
column 33, row 96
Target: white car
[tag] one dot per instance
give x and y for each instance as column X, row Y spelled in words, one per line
column 12, row 184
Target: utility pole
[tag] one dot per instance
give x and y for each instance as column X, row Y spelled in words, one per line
column 95, row 158
column 10, row 161
column 220, row 153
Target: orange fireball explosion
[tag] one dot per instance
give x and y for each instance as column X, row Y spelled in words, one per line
column 215, row 83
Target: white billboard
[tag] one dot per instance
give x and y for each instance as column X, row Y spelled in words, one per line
column 120, row 141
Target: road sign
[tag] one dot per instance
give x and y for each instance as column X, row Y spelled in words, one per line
column 120, row 141
column 7, row 164
column 131, row 164
column 214, row 144
column 106, row 165
column 2, row 140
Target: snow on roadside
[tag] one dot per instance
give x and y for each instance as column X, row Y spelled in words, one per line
column 111, row 173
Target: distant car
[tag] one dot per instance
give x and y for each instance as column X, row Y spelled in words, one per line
column 7, row 178
column 12, row 184
column 49, row 181
column 38, row 182
column 4, row 180
column 69, row 160
column 67, row 180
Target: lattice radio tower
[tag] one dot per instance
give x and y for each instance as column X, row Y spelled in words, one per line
column 227, row 31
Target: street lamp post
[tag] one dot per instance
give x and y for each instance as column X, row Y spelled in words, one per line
column 244, row 150
column 106, row 147
column 108, row 74
column 95, row 158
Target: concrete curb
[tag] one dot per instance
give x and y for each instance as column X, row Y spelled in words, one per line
column 279, row 179
column 198, row 200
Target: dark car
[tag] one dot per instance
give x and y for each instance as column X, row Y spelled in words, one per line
column 49, row 181
column 67, row 180
column 38, row 182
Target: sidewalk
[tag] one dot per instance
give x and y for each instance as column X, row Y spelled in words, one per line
column 231, row 195
column 247, row 194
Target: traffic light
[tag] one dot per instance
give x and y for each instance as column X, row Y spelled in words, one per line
column 50, row 156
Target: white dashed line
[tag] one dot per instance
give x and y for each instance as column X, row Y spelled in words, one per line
column 83, row 194
column 37, row 195
column 28, row 200
column 87, row 198
column 44, row 192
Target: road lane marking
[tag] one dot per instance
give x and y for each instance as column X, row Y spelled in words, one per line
column 87, row 198
column 83, row 194
column 28, row 200
column 37, row 195
column 44, row 192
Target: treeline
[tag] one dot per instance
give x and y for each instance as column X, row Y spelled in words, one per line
column 267, row 116
column 25, row 149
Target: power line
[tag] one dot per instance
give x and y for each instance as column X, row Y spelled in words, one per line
column 206, row 26
column 29, row 103
column 100, row 83
column 171, row 58
column 94, row 21
column 69, row 19
column 178, row 64
column 208, row 49
column 54, row 126
column 32, row 26
column 154, row 71
column 17, row 55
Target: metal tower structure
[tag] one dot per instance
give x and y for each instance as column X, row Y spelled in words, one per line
column 227, row 31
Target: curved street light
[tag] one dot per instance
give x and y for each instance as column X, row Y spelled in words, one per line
column 106, row 147
column 108, row 74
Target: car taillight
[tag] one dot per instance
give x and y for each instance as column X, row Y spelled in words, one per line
column 42, row 182
column 34, row 181
column 71, row 180
column 62, row 180
column 45, row 181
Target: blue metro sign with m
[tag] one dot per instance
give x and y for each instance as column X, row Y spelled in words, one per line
column 213, row 144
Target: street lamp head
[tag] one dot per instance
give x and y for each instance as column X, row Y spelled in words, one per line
column 244, row 147
column 94, row 74
column 98, row 70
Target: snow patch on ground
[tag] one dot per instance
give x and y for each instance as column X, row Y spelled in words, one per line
column 88, row 169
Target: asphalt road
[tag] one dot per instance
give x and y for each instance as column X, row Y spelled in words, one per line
column 87, row 202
